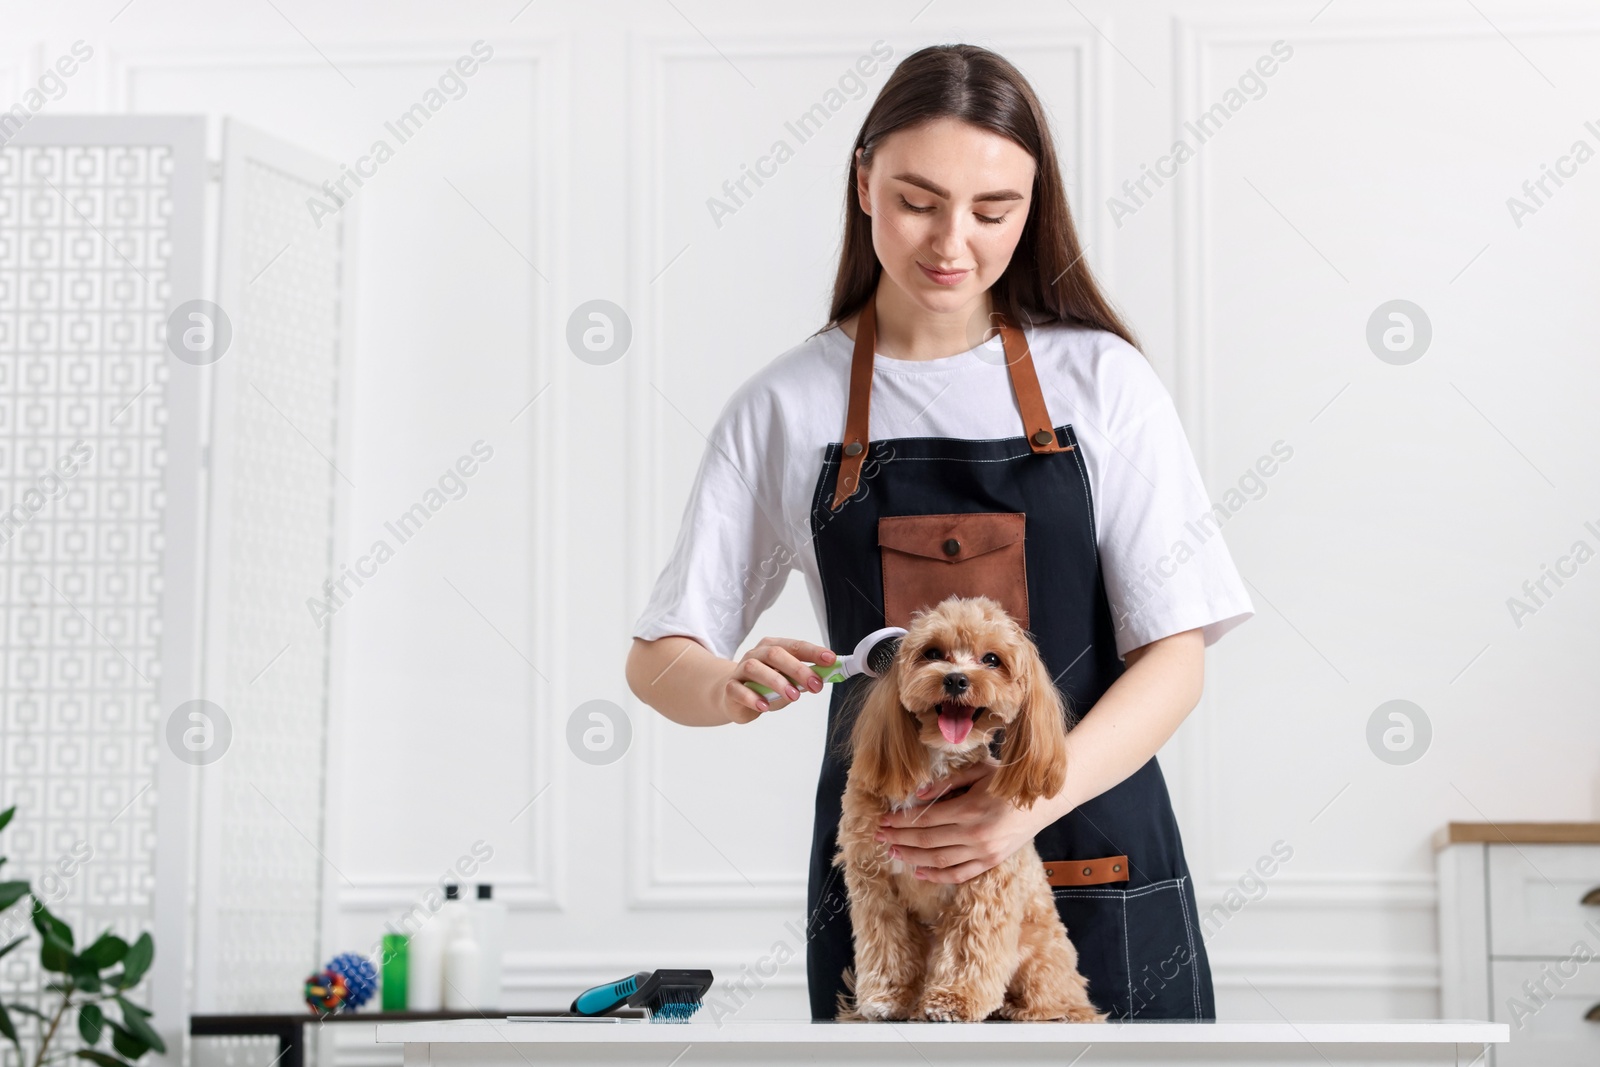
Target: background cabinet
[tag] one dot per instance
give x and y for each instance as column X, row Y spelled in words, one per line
column 1519, row 936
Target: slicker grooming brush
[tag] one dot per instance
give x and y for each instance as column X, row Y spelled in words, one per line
column 871, row 657
column 669, row 995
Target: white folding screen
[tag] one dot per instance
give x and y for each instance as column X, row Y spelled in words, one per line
column 101, row 227
column 276, row 478
column 169, row 452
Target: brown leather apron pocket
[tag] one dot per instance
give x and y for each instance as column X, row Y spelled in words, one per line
column 1086, row 872
column 929, row 557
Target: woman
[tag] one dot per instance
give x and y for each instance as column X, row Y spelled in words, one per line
column 957, row 230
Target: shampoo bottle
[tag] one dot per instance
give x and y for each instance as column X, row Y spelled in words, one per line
column 396, row 956
column 491, row 916
column 452, row 910
column 463, row 966
column 425, row 963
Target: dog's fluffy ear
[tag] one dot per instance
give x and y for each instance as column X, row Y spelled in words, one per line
column 1033, row 756
column 885, row 751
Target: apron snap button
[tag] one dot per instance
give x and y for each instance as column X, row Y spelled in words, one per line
column 1043, row 437
column 1116, row 867
column 1088, row 871
column 853, row 448
column 952, row 546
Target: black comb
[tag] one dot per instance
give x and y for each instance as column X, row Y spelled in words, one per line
column 671, row 995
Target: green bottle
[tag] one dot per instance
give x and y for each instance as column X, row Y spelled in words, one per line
column 394, row 971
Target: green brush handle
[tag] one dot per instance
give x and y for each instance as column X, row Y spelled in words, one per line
column 828, row 672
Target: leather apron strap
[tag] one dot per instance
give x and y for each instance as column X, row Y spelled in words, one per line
column 1041, row 434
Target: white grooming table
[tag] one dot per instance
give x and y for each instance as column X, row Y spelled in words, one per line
column 499, row 1043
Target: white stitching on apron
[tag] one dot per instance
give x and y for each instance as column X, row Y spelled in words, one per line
column 951, row 459
column 1194, row 961
column 1079, row 893
column 1083, row 474
column 816, row 502
column 958, row 459
column 1127, row 963
column 1084, row 891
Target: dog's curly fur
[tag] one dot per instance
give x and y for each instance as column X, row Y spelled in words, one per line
column 994, row 944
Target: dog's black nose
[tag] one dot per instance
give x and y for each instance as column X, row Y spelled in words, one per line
column 955, row 683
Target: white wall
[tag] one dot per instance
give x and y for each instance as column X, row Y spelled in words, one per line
column 1419, row 498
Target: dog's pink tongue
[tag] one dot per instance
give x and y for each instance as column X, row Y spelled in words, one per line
column 955, row 722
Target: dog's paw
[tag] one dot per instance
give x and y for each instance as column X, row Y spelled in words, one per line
column 950, row 1006
column 1010, row 1010
column 1016, row 1011
column 883, row 1008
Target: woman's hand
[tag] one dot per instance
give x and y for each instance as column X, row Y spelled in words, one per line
column 779, row 663
column 952, row 839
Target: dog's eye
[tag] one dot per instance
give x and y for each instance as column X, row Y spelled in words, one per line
column 991, row 660
column 932, row 653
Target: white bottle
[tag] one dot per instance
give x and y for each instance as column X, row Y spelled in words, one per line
column 463, row 966
column 425, row 963
column 452, row 909
column 491, row 934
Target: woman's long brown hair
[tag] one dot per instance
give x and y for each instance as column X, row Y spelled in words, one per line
column 1047, row 279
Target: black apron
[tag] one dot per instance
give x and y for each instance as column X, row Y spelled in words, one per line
column 1122, row 886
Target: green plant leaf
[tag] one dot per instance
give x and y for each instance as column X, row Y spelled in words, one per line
column 134, row 1018
column 29, row 1009
column 125, row 1043
column 13, row 945
column 91, row 1023
column 5, row 816
column 54, row 955
column 104, row 1059
column 11, row 892
column 9, row 1029
column 46, row 923
column 136, row 961
column 84, row 974
column 107, row 950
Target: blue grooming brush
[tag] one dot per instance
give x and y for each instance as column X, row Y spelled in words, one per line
column 667, row 995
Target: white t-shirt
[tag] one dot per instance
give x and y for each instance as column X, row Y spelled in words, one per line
column 747, row 520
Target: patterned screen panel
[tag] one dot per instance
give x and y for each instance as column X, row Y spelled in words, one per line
column 276, row 484
column 100, row 571
column 85, row 280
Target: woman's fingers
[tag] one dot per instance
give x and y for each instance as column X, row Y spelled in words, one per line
column 748, row 705
column 798, row 672
column 805, row 650
column 925, row 838
column 948, row 863
column 797, row 655
column 942, row 856
column 934, row 813
column 961, row 872
column 774, row 668
column 931, row 810
column 758, row 671
column 786, row 654
column 780, row 664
